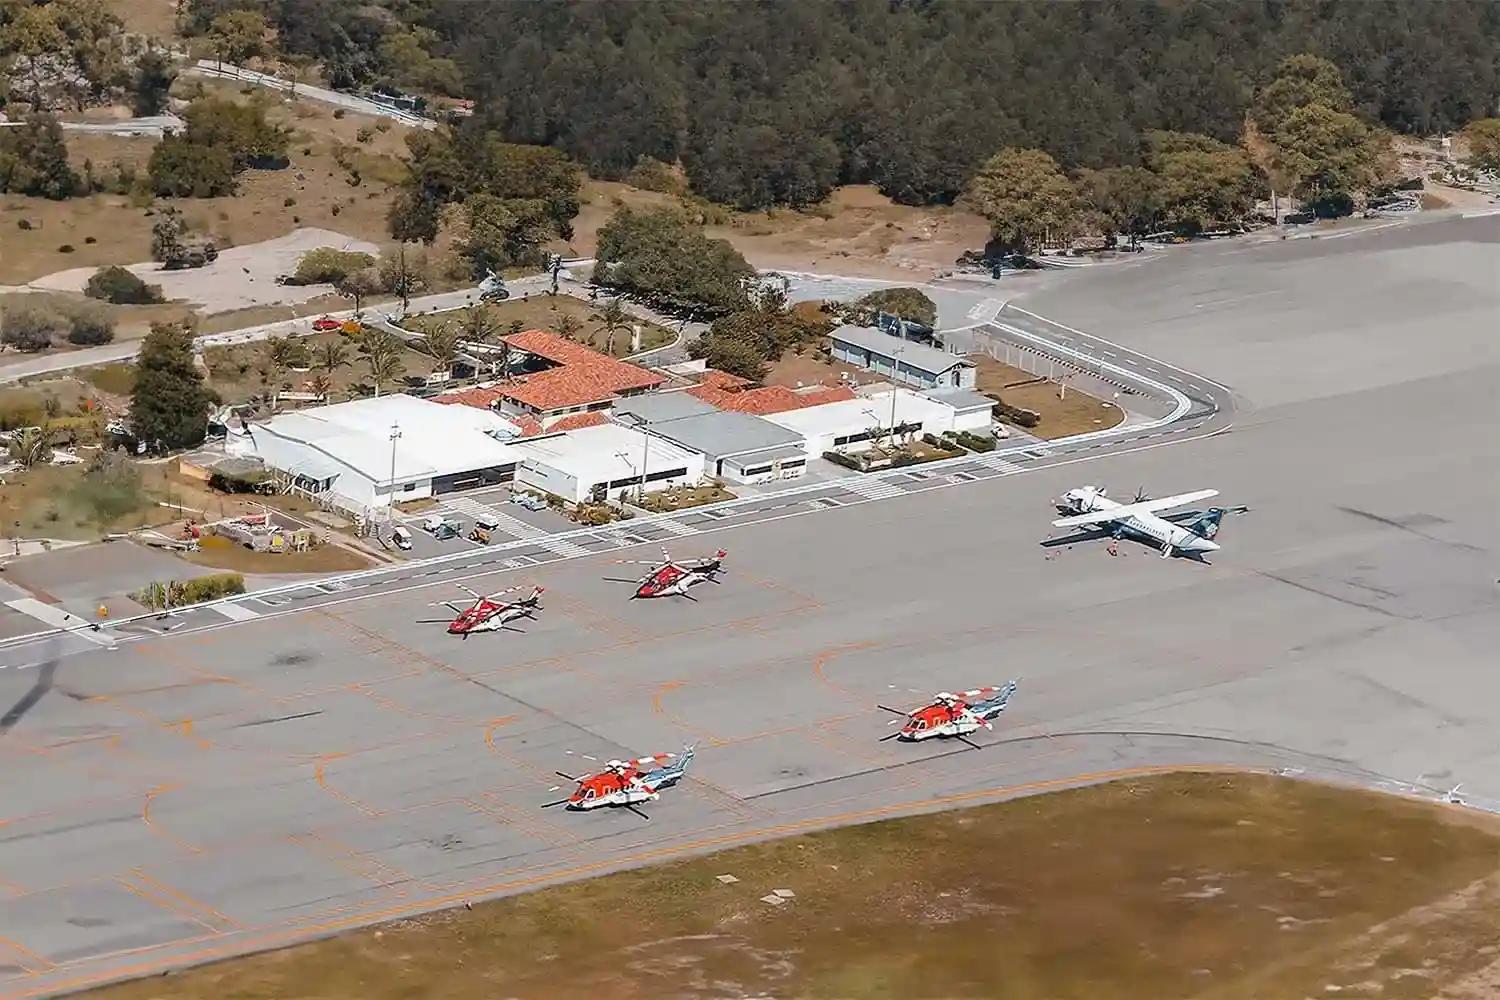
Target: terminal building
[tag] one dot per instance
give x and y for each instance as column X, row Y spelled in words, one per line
column 902, row 361
column 736, row 446
column 608, row 460
column 854, row 424
column 367, row 453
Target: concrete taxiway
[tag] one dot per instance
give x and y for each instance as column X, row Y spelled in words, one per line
column 312, row 766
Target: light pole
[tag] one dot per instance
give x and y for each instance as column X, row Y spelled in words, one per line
column 395, row 436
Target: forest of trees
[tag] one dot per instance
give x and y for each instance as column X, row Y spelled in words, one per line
column 775, row 102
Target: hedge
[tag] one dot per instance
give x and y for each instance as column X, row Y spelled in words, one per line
column 175, row 594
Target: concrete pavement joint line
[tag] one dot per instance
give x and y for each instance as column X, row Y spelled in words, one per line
column 290, row 933
column 563, row 538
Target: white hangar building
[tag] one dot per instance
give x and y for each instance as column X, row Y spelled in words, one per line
column 608, row 459
column 363, row 453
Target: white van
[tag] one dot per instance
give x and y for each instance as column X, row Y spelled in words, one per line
column 402, row 538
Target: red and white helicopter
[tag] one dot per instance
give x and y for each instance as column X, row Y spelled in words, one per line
column 952, row 715
column 670, row 578
column 488, row 613
column 623, row 783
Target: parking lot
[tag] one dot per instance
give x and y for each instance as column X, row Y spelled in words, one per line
column 514, row 522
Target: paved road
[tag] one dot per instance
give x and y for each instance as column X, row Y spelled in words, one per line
column 326, row 763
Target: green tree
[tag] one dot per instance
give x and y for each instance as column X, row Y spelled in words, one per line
column 30, row 446
column 663, row 257
column 504, row 233
column 1300, row 80
column 169, row 406
column 908, row 303
column 358, row 285
column 382, row 357
column 90, row 325
column 1332, row 155
column 1026, row 198
column 167, row 234
column 568, row 326
column 34, row 160
column 1483, row 138
column 242, row 130
column 476, row 326
column 154, row 76
column 441, row 344
column 329, row 265
column 30, row 34
column 1123, row 199
column 613, row 320
column 1202, row 183
column 30, row 328
column 732, row 355
column 236, row 35
column 181, row 168
column 404, row 274
column 330, row 356
column 120, row 287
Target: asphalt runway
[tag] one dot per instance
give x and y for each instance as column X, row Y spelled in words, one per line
column 191, row 796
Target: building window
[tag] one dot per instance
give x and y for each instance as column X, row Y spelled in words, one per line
column 759, row 470
column 654, row 477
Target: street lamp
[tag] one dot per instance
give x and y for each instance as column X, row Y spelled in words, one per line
column 395, row 436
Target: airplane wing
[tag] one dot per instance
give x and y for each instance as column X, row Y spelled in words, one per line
column 1134, row 509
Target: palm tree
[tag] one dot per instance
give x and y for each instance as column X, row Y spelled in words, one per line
column 281, row 354
column 322, row 384
column 385, row 366
column 612, row 319
column 442, row 343
column 568, row 326
column 331, row 356
column 30, row 446
column 477, row 326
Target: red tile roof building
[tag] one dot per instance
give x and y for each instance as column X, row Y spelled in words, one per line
column 730, row 392
column 581, row 380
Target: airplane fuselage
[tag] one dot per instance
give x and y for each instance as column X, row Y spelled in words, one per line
column 1148, row 528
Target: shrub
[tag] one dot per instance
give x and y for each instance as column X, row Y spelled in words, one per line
column 31, row 327
column 120, row 287
column 339, row 113
column 90, row 325
column 24, row 225
column 365, row 134
column 847, row 461
column 1017, row 415
column 175, row 594
column 110, row 488
column 327, row 265
column 180, row 168
column 89, row 240
column 288, row 202
column 65, row 248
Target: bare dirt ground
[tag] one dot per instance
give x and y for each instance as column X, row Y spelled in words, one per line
column 858, row 231
column 1228, row 887
column 244, row 277
column 543, row 312
column 315, row 192
column 157, row 18
column 222, row 553
column 1062, row 415
column 809, row 368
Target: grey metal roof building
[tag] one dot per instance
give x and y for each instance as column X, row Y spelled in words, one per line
column 902, row 361
column 737, row 446
column 653, row 407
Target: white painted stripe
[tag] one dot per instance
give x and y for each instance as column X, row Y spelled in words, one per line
column 58, row 618
column 673, row 527
column 562, row 547
column 235, row 612
column 507, row 523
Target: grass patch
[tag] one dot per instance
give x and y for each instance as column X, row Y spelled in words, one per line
column 117, row 379
column 1061, row 416
column 1174, row 886
column 67, row 502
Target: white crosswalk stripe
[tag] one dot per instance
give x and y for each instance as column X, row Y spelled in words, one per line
column 996, row 462
column 514, row 526
column 875, row 489
column 672, row 527
column 562, row 546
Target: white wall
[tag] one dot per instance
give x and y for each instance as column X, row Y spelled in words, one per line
column 976, row 422
column 734, row 471
column 540, row 476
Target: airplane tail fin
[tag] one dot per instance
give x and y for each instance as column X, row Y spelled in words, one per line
column 1206, row 525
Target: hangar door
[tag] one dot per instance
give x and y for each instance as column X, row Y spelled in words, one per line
column 491, row 476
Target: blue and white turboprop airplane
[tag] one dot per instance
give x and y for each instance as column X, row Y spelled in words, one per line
column 1183, row 533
